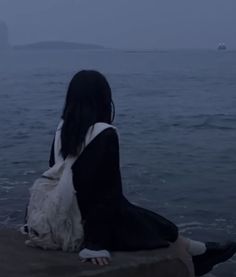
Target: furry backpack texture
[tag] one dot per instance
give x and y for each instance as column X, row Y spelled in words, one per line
column 53, row 216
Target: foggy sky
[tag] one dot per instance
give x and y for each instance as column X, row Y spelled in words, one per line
column 123, row 23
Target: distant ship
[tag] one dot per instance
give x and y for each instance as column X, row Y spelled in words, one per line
column 222, row 46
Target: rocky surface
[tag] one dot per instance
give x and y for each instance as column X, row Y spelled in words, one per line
column 18, row 260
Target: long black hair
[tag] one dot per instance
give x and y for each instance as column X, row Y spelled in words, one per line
column 88, row 100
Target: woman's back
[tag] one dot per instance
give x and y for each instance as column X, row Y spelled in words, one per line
column 110, row 220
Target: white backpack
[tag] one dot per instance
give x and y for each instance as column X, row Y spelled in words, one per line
column 53, row 217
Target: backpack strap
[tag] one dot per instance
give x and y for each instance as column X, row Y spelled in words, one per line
column 91, row 134
column 95, row 130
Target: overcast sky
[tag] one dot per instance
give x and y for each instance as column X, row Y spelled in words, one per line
column 123, row 23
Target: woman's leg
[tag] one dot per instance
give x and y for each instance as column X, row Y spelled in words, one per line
column 180, row 249
column 206, row 255
column 194, row 247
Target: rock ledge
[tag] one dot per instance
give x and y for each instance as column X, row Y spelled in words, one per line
column 17, row 260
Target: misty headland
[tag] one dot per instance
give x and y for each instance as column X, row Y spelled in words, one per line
column 58, row 45
column 43, row 45
column 4, row 41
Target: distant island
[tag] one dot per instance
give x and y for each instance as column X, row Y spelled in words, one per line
column 58, row 45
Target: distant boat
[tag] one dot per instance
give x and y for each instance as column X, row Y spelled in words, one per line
column 222, row 46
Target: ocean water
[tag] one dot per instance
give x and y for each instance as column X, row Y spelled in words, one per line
column 176, row 116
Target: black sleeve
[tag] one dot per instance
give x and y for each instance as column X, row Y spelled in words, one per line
column 99, row 189
column 52, row 157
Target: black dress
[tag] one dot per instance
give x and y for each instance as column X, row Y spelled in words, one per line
column 110, row 221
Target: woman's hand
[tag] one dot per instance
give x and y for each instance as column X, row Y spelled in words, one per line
column 97, row 257
column 97, row 261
